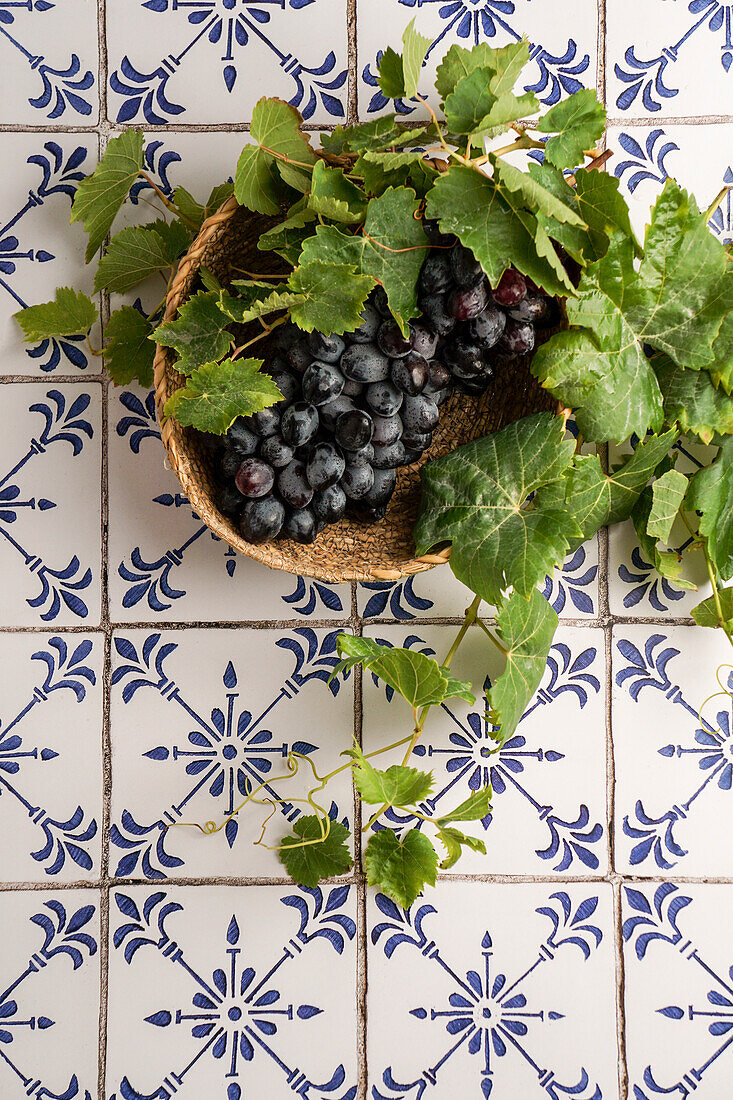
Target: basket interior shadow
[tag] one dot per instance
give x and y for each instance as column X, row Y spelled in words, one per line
column 348, row 550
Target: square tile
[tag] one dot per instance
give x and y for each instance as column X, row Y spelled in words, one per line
column 199, row 719
column 50, row 526
column 50, row 59
column 262, row 1004
column 678, row 994
column 563, row 54
column 210, row 63
column 549, row 779
column 668, row 59
column 164, row 563
column 671, row 721
column 483, row 987
column 49, row 1010
column 39, row 249
column 50, row 756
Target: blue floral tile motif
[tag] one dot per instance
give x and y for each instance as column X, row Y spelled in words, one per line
column 63, row 936
column 234, row 32
column 63, row 83
column 59, row 170
column 507, row 1003
column 242, row 1026
column 679, row 991
column 60, row 585
column 229, row 753
column 559, row 831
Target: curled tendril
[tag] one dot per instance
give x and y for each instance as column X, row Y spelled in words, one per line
column 724, row 692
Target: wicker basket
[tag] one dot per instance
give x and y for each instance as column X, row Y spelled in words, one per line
column 348, row 550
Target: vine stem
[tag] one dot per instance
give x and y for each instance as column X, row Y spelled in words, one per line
column 265, row 332
column 722, row 623
column 717, row 201
column 493, row 638
column 166, row 201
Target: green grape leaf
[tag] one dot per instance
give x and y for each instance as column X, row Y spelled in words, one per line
column 391, row 250
column 255, row 300
column 526, row 628
column 218, row 197
column 668, row 563
column 287, row 237
column 381, row 133
column 476, row 498
column 257, row 184
column 400, row 869
column 334, row 196
column 282, row 154
column 413, row 675
column 453, row 840
column 577, row 122
column 399, row 74
column 474, row 808
column 474, row 106
column 193, row 212
column 128, row 352
column 711, row 494
column 505, row 63
column 391, row 75
column 137, row 252
column 390, row 160
column 217, row 393
column 603, row 209
column 328, row 297
column 499, row 234
column 507, row 108
column 308, row 864
column 71, row 313
column 534, row 195
column 668, row 492
column 199, row 333
column 209, row 279
column 99, row 196
column 692, row 401
column 397, row 786
column 706, row 613
column 721, row 368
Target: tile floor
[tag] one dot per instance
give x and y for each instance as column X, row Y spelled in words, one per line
column 146, row 672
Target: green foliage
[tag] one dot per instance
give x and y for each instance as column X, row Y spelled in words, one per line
column 474, row 108
column 707, row 613
column 397, row 786
column 308, row 858
column 525, row 628
column 334, row 196
column 137, row 252
column 399, row 74
column 331, row 296
column 71, row 313
column 668, row 492
column 474, row 808
column 417, row 678
column 454, row 841
column 577, row 123
column 711, row 494
column 195, row 213
column 505, row 64
column 281, row 159
column 199, row 333
column 129, row 353
column 99, row 197
column 692, row 400
column 217, row 393
column 401, row 868
column 381, row 133
column 668, row 563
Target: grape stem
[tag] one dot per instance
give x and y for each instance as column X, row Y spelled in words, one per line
column 166, row 201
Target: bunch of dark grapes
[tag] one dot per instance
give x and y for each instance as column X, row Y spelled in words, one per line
column 357, row 407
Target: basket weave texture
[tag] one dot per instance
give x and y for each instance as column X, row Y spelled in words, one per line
column 348, row 550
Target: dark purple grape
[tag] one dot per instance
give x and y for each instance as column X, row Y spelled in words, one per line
column 463, row 356
column 371, row 515
column 435, row 274
column 241, row 437
column 276, row 451
column 285, row 336
column 357, row 480
column 488, row 326
column 434, row 310
column 299, row 356
column 322, row 382
column 329, row 505
column 352, row 388
column 511, row 290
column 326, row 348
column 300, row 524
column 384, row 398
column 378, row 298
column 468, row 374
column 367, row 330
column 293, row 485
column 299, row 423
column 354, row 429
column 440, row 376
column 362, row 457
column 387, row 429
column 411, row 456
column 534, row 310
column 231, row 460
column 332, row 410
column 419, row 414
column 382, row 489
column 423, row 340
column 229, row 500
column 410, row 374
column 465, row 268
column 473, row 388
column 266, row 422
column 417, row 441
column 365, row 363
column 262, row 519
column 391, row 341
column 467, row 302
column 517, row 339
column 325, row 466
column 288, row 386
column 389, row 456
column 255, row 478
column 434, row 234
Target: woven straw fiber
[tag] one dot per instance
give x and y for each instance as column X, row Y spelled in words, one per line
column 348, row 550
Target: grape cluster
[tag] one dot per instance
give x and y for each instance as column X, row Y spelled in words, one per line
column 357, row 407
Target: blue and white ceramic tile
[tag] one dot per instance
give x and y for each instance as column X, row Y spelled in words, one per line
column 50, row 528
column 201, row 719
column 563, row 53
column 493, row 990
column 49, row 60
column 39, row 249
column 50, row 756
column 678, row 989
column 164, row 563
column 668, row 59
column 673, row 749
column 231, row 993
column 549, row 779
column 206, row 62
column 49, row 999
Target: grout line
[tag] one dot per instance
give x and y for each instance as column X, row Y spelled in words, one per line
column 353, row 49
column 623, row 1074
column 601, row 52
